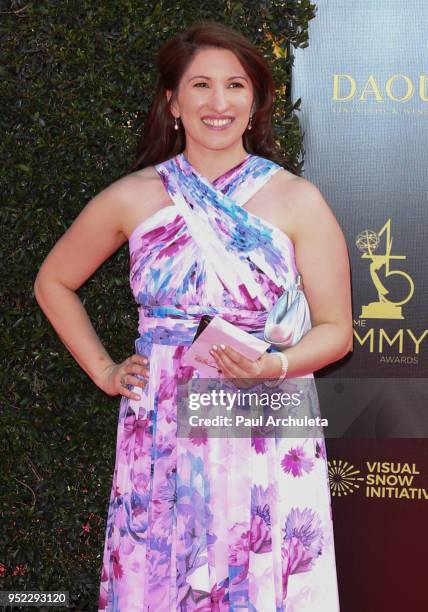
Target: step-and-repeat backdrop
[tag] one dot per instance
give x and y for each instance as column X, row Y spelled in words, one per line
column 363, row 84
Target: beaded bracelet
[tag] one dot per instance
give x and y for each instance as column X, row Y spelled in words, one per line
column 284, row 362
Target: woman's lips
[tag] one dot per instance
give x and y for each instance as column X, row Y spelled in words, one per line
column 218, row 127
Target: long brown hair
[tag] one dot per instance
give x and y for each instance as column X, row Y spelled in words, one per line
column 160, row 141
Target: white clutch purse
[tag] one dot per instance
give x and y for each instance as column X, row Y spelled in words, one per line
column 289, row 319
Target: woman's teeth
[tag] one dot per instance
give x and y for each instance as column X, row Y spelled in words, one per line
column 217, row 122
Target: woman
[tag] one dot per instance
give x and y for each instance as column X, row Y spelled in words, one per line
column 207, row 524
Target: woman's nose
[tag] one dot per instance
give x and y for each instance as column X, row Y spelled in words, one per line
column 219, row 99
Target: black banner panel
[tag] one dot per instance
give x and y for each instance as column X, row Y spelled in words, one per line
column 363, row 85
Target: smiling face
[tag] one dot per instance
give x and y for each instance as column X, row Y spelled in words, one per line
column 214, row 100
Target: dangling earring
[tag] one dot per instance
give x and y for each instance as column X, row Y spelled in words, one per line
column 176, row 127
column 250, row 124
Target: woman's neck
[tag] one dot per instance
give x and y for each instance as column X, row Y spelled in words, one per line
column 212, row 164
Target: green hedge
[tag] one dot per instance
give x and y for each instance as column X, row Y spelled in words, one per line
column 76, row 82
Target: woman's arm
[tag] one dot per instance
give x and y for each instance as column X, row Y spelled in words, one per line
column 322, row 259
column 92, row 238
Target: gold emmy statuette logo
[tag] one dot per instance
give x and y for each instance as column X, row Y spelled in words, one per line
column 368, row 241
column 343, row 477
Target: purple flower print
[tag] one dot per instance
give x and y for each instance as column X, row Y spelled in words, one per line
column 260, row 500
column 295, row 559
column 320, row 452
column 138, row 505
column 259, row 444
column 239, row 544
column 259, row 437
column 217, row 599
column 305, row 525
column 117, row 567
column 164, row 495
column 128, row 547
column 166, row 386
column 157, row 570
column 296, row 461
column 132, row 427
column 214, row 602
column 260, row 537
column 198, row 435
column 239, row 550
column 193, row 515
column 142, row 480
column 102, row 600
column 302, row 543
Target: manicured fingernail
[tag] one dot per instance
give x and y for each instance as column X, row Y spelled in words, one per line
column 138, row 397
column 214, row 347
column 223, row 346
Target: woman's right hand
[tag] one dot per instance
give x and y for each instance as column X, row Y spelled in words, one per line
column 116, row 376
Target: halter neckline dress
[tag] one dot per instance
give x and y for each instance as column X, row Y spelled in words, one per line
column 213, row 524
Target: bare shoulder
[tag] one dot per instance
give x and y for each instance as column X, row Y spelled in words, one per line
column 146, row 180
column 148, row 174
column 140, row 194
column 298, row 191
column 301, row 203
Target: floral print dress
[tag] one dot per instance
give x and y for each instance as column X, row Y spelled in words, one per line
column 200, row 524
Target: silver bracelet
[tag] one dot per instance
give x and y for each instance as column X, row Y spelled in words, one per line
column 284, row 362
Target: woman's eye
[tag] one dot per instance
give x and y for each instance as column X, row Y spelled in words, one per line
column 204, row 83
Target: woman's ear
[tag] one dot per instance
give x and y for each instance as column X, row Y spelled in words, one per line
column 174, row 110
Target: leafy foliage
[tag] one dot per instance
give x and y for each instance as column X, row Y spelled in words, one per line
column 76, row 81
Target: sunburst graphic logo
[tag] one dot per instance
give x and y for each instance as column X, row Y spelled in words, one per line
column 343, row 477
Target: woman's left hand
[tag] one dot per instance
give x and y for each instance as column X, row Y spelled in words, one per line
column 247, row 373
